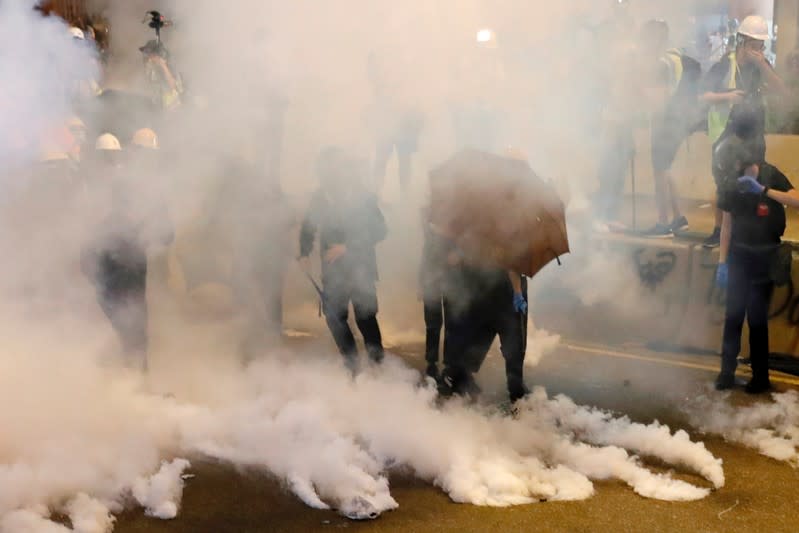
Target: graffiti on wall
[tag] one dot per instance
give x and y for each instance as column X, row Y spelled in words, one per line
column 653, row 271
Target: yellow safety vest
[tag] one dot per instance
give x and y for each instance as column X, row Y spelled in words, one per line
column 673, row 58
column 719, row 114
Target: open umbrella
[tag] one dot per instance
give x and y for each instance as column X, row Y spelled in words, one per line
column 498, row 211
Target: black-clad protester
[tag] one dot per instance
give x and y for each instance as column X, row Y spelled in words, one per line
column 483, row 303
column 350, row 225
column 752, row 197
column 115, row 259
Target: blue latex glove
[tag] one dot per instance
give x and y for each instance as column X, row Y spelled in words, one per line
column 519, row 304
column 722, row 275
column 748, row 184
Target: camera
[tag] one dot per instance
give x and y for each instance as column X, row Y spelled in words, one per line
column 156, row 21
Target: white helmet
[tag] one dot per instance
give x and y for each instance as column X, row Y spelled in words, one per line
column 755, row 27
column 77, row 33
column 108, row 142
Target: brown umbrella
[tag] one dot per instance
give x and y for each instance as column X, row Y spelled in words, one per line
column 498, row 211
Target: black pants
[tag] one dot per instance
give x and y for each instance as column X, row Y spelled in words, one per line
column 469, row 337
column 339, row 292
column 126, row 308
column 433, row 322
column 749, row 291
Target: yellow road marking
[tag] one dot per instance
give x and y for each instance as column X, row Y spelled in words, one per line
column 775, row 376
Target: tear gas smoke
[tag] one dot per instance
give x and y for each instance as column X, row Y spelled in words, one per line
column 770, row 428
column 84, row 439
column 333, row 440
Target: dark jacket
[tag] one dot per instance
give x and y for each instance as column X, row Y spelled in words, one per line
column 116, row 259
column 356, row 222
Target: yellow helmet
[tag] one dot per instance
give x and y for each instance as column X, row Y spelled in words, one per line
column 146, row 138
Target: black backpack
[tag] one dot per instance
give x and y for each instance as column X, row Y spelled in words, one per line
column 684, row 103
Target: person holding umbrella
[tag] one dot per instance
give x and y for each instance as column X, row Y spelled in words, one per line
column 350, row 225
column 506, row 224
column 486, row 302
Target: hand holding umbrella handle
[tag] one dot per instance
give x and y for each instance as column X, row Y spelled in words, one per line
column 519, row 303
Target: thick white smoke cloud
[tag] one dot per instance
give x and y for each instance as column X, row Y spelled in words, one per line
column 771, row 428
column 302, row 418
column 40, row 65
column 85, row 439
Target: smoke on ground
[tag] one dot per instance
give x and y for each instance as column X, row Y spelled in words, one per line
column 771, row 428
column 302, row 417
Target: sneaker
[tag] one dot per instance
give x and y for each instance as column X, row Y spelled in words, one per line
column 758, row 386
column 659, row 231
column 679, row 224
column 714, row 240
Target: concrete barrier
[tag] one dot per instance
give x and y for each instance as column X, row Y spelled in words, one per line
column 691, row 167
column 665, row 294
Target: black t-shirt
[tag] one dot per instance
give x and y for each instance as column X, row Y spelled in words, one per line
column 751, row 228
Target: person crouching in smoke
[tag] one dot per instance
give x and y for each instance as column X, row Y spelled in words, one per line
column 350, row 225
column 752, row 196
column 115, row 259
column 483, row 303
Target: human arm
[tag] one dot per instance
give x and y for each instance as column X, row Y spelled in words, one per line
column 789, row 198
column 519, row 302
column 714, row 91
column 726, row 233
column 728, row 97
column 783, row 192
column 515, row 281
column 723, row 269
column 771, row 79
column 309, row 229
column 162, row 65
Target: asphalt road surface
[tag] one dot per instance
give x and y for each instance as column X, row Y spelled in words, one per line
column 760, row 493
